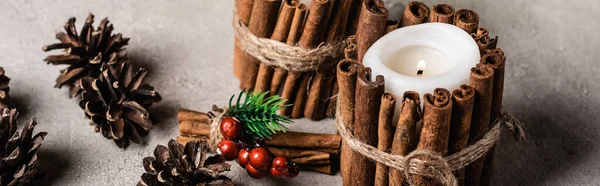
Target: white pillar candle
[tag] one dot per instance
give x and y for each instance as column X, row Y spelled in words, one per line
column 444, row 53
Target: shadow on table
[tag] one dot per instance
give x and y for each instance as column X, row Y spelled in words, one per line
column 555, row 142
column 53, row 166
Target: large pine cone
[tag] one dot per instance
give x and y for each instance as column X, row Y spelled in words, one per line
column 184, row 166
column 116, row 103
column 19, row 162
column 85, row 53
column 4, row 89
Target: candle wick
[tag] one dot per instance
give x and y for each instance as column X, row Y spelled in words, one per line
column 419, row 73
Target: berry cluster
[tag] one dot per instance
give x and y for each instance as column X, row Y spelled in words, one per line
column 258, row 161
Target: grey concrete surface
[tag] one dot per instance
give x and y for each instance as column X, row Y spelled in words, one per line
column 551, row 84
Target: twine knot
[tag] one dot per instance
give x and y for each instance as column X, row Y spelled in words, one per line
column 217, row 114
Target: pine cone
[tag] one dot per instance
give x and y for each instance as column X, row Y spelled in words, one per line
column 19, row 162
column 4, row 89
column 184, row 166
column 87, row 52
column 116, row 103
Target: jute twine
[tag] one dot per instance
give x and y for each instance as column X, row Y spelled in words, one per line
column 436, row 167
column 287, row 57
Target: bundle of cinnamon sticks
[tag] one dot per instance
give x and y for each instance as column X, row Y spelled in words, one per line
column 448, row 121
column 314, row 152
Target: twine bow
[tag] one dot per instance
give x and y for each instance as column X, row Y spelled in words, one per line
column 431, row 164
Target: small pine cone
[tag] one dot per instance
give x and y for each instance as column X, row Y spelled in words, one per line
column 86, row 52
column 184, row 166
column 116, row 103
column 4, row 89
column 19, row 162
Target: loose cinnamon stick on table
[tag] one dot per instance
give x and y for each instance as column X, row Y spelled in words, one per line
column 325, row 169
column 496, row 60
column 462, row 111
column 317, row 97
column 291, row 82
column 468, row 20
column 368, row 101
column 390, row 26
column 437, row 115
column 190, row 115
column 442, row 13
column 280, row 33
column 262, row 22
column 346, row 78
column 371, row 25
column 194, row 127
column 385, row 133
column 405, row 136
column 311, row 157
column 482, row 80
column 181, row 139
column 415, row 13
column 312, row 35
column 305, row 140
column 244, row 11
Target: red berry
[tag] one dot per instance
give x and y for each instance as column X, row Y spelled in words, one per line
column 255, row 173
column 276, row 173
column 243, row 156
column 260, row 158
column 280, row 163
column 293, row 170
column 228, row 149
column 231, row 128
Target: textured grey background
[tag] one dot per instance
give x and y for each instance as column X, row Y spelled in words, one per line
column 551, row 84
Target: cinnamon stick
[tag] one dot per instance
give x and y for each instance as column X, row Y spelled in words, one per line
column 194, row 127
column 305, row 140
column 405, row 135
column 190, row 115
column 462, row 111
column 185, row 139
column 371, row 25
column 303, row 157
column 482, row 80
column 291, row 82
column 280, row 33
column 368, row 101
column 317, row 98
column 349, row 54
column 277, row 80
column 390, row 26
column 442, row 13
column 325, row 169
column 312, row 35
column 486, row 42
column 415, row 13
column 496, row 60
column 482, row 32
column 468, row 20
column 353, row 16
column 262, row 22
column 385, row 133
column 346, row 78
column 244, row 11
column 437, row 113
column 333, row 99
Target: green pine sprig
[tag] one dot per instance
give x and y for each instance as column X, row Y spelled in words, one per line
column 259, row 113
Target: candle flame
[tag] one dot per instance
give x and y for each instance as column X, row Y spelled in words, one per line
column 422, row 65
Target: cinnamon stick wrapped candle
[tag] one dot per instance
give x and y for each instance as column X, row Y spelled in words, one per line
column 371, row 25
column 442, row 13
column 244, row 11
column 385, row 134
column 415, row 13
column 437, row 115
column 317, row 97
column 482, row 81
column 312, row 35
column 262, row 22
column 467, row 20
column 462, row 111
column 291, row 82
column 282, row 29
column 346, row 76
column 405, row 135
column 496, row 60
column 368, row 100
